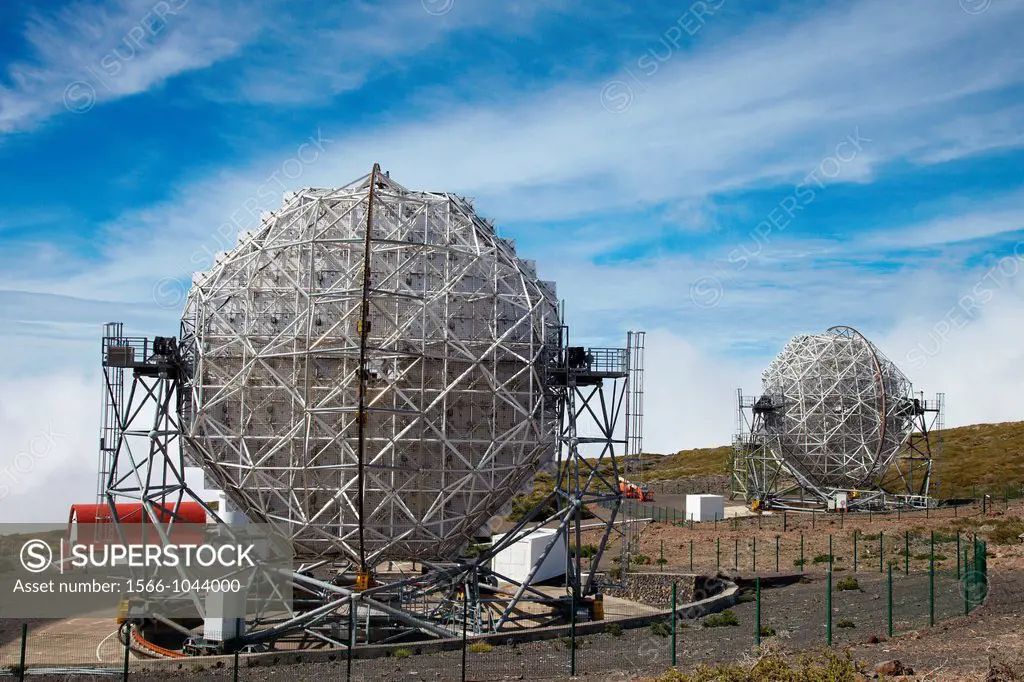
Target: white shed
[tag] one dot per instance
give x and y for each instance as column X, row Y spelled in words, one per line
column 516, row 560
column 705, row 507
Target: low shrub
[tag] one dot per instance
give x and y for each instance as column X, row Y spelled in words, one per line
column 588, row 550
column 479, row 648
column 746, row 597
column 401, row 653
column 826, row 667
column 848, row 583
column 613, row 629
column 661, row 629
column 1006, row 531
column 724, row 619
column 845, row 623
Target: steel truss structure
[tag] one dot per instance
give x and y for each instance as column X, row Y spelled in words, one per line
column 598, row 397
column 365, row 372
column 375, row 373
column 141, row 459
column 837, row 425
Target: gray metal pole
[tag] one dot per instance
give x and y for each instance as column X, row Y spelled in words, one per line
column 24, row 640
column 465, row 614
column 127, row 648
column 757, row 611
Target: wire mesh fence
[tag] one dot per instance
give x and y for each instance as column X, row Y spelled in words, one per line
column 647, row 627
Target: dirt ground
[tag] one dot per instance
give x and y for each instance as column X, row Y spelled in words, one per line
column 748, row 545
column 957, row 648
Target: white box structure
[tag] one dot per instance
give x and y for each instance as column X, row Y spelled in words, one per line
column 705, row 507
column 224, row 615
column 225, row 508
column 517, row 559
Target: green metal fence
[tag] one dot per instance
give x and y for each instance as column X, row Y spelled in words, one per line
column 828, row 604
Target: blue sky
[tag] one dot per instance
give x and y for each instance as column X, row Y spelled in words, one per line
column 722, row 174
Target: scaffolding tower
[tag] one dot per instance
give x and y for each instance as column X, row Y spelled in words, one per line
column 374, row 373
column 837, row 426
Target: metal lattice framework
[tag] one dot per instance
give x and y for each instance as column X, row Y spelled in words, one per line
column 365, row 372
column 834, row 416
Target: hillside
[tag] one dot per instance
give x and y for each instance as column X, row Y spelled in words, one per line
column 988, row 456
column 974, row 458
column 981, row 457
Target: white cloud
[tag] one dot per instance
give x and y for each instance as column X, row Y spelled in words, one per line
column 969, row 348
column 975, row 359
column 49, row 432
column 750, row 113
column 558, row 153
column 339, row 48
column 89, row 52
column 990, row 219
column 690, row 394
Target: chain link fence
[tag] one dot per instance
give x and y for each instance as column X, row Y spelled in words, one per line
column 824, row 605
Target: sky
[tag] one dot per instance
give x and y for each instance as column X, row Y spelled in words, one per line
column 721, row 175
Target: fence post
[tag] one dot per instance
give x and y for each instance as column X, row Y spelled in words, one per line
column 753, row 555
column 830, row 562
column 572, row 636
column 691, row 555
column 736, row 555
column 784, row 521
column 757, row 613
column 965, row 587
column 351, row 637
column 127, row 648
column 234, row 676
column 889, row 599
column 931, row 583
column 776, row 553
column 661, row 555
column 673, row 625
column 801, row 552
column 21, row 661
column 465, row 616
column 906, row 552
column 828, row 608
column 957, row 553
column 881, row 551
column 718, row 553
column 854, row 550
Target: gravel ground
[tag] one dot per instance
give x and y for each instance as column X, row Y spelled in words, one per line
column 796, row 612
column 748, row 544
column 957, row 648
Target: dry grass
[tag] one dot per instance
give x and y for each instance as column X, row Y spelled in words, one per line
column 975, row 459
